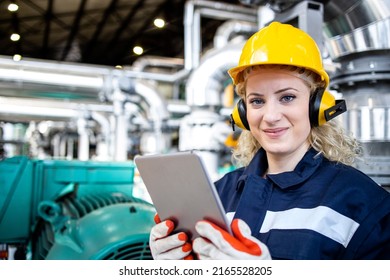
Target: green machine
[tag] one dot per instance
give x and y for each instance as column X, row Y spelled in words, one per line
column 58, row 210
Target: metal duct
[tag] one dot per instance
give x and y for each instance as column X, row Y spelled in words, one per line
column 193, row 12
column 158, row 63
column 206, row 84
column 27, row 109
column 358, row 40
column 34, row 78
column 115, row 134
column 372, row 37
column 343, row 17
column 87, row 85
column 275, row 5
column 364, row 27
column 42, row 79
column 157, row 107
column 226, row 32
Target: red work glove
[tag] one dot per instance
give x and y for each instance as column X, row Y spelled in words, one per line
column 168, row 247
column 217, row 244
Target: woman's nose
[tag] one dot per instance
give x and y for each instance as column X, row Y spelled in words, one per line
column 272, row 112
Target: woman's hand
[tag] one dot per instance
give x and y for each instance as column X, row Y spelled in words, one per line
column 168, row 247
column 217, row 244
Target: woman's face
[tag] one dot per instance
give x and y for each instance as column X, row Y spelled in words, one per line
column 278, row 111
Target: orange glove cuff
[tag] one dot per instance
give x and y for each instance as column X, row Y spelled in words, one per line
column 239, row 243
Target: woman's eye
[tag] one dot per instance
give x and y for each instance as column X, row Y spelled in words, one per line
column 256, row 101
column 287, row 98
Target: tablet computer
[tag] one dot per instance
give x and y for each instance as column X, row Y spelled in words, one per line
column 181, row 190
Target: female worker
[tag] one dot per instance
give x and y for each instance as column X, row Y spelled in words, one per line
column 296, row 195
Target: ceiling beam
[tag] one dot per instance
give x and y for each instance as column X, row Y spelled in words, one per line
column 46, row 35
column 110, row 9
column 148, row 23
column 42, row 13
column 124, row 25
column 74, row 30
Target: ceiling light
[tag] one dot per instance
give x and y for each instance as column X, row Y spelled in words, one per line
column 15, row 37
column 138, row 50
column 17, row 57
column 13, row 7
column 158, row 22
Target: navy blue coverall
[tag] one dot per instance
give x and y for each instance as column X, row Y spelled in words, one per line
column 321, row 210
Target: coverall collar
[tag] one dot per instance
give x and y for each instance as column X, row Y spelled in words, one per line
column 304, row 169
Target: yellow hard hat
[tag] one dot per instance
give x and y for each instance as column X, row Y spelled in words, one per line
column 283, row 44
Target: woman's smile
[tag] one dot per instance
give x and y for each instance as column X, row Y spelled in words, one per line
column 275, row 133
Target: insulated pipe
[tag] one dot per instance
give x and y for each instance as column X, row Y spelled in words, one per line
column 141, row 64
column 205, row 85
column 162, row 77
column 120, row 124
column 45, row 110
column 192, row 15
column 36, row 109
column 157, row 112
column 41, row 112
column 231, row 28
column 83, row 143
column 105, row 128
column 121, row 139
column 86, row 81
column 17, row 108
column 70, row 148
column 163, row 65
column 56, row 145
column 157, row 107
column 37, row 75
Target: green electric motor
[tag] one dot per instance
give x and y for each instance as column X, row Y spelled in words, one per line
column 58, row 209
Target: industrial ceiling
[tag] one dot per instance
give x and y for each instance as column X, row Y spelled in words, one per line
column 101, row 32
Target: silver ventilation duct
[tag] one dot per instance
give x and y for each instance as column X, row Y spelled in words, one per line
column 276, row 5
column 231, row 29
column 194, row 11
column 206, row 84
column 358, row 40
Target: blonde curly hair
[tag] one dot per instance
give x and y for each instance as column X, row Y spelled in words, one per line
column 330, row 139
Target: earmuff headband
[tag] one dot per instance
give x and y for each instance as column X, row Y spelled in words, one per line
column 315, row 106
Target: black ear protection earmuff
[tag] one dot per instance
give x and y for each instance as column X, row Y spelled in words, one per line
column 322, row 108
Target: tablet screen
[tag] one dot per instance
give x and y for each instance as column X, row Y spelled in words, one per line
column 181, row 190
